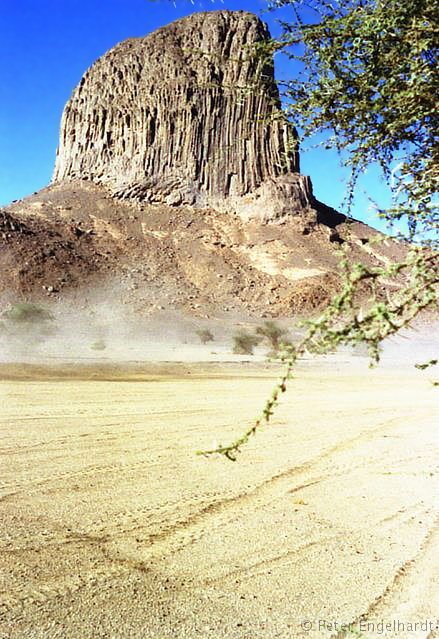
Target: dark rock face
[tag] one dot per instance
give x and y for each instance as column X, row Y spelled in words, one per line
column 187, row 115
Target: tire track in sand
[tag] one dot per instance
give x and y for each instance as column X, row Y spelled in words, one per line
column 412, row 593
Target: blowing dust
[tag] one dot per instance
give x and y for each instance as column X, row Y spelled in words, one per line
column 112, row 332
column 109, row 331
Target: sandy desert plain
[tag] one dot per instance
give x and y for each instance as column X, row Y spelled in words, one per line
column 112, row 527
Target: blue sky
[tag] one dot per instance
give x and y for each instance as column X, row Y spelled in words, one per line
column 46, row 46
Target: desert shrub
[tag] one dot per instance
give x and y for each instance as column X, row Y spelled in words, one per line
column 27, row 321
column 27, row 313
column 282, row 351
column 244, row 343
column 99, row 345
column 273, row 333
column 205, row 335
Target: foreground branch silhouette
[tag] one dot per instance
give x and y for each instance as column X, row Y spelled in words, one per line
column 367, row 81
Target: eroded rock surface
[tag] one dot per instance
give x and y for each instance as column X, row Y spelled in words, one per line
column 189, row 114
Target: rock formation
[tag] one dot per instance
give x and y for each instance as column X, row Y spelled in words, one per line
column 189, row 114
column 160, row 127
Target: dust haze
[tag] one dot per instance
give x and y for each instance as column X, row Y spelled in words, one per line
column 108, row 330
column 96, row 326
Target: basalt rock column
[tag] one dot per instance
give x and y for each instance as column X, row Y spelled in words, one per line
column 189, row 114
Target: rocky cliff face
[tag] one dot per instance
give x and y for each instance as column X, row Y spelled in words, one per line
column 187, row 115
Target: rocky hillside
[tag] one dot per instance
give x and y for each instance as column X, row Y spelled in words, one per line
column 74, row 241
column 177, row 185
